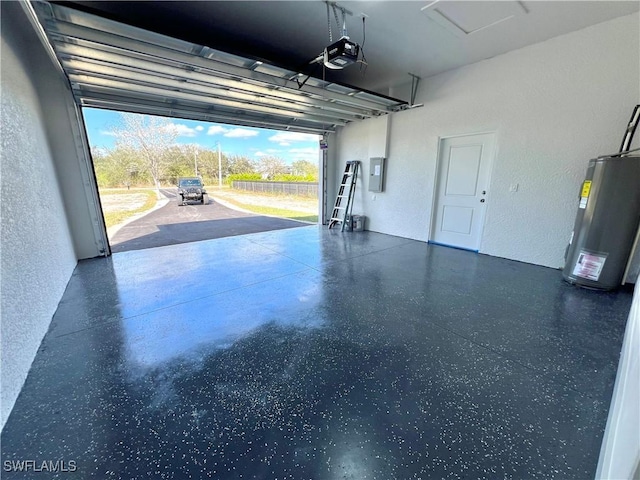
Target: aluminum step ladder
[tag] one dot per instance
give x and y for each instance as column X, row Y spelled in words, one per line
column 344, row 200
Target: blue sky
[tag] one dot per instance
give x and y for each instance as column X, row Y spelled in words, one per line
column 250, row 142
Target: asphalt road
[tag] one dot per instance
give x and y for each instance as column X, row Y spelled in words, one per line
column 173, row 224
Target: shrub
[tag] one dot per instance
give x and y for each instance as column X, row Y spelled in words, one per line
column 295, row 178
column 242, row 176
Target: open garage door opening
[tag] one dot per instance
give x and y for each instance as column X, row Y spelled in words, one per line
column 217, row 96
column 164, row 181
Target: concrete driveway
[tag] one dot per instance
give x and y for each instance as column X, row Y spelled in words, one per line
column 173, row 224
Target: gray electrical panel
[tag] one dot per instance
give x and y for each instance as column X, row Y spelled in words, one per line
column 376, row 174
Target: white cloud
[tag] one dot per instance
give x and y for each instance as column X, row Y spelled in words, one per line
column 286, row 138
column 304, row 151
column 216, row 129
column 241, row 133
column 181, row 130
column 199, row 128
column 108, row 133
column 260, row 154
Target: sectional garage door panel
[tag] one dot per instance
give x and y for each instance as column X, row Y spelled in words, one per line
column 116, row 66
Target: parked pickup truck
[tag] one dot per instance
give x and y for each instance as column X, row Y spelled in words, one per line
column 191, row 189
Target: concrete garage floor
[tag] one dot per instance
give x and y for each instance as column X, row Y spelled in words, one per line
column 173, row 224
column 314, row 354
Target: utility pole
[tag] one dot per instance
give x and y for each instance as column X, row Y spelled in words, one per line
column 195, row 159
column 219, row 167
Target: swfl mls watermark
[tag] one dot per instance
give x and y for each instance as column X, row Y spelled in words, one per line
column 55, row 466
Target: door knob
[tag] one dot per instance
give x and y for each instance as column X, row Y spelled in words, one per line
column 482, row 200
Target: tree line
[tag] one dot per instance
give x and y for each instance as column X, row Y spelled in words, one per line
column 145, row 154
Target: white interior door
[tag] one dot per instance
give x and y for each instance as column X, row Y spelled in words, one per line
column 464, row 167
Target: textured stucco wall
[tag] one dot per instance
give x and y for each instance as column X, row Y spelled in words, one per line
column 553, row 106
column 37, row 249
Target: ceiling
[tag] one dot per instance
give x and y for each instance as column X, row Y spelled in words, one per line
column 402, row 37
column 251, row 63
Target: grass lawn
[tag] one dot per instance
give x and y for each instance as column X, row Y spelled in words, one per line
column 276, row 212
column 120, row 204
column 278, row 205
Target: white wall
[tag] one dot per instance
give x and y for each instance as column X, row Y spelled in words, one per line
column 553, row 106
column 37, row 255
column 70, row 152
column 620, row 453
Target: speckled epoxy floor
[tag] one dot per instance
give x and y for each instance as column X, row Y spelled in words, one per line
column 314, row 354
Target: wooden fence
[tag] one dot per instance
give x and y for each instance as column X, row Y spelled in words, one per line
column 305, row 189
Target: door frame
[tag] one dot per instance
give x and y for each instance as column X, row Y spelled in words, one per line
column 436, row 179
column 91, row 190
column 323, row 161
